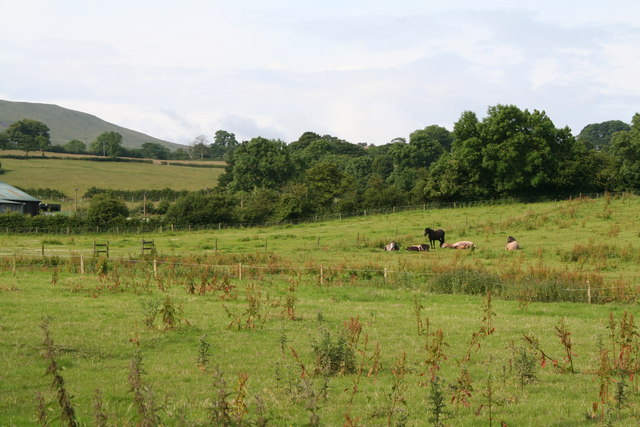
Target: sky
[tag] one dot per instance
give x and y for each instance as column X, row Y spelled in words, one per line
column 363, row 71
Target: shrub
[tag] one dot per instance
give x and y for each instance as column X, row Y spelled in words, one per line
column 202, row 209
column 106, row 210
column 333, row 358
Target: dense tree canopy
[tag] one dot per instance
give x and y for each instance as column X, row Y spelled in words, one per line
column 259, row 163
column 625, row 150
column 598, row 135
column 28, row 135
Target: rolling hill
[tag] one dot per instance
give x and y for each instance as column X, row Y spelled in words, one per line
column 66, row 124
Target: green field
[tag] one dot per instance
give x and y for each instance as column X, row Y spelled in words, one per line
column 67, row 175
column 420, row 326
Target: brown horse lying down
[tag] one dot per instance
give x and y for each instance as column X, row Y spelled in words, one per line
column 420, row 248
column 465, row 244
column 512, row 244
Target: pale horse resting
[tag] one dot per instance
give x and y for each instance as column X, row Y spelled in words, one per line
column 393, row 246
column 512, row 244
column 465, row 244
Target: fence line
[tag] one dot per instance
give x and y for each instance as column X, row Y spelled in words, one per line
column 163, row 227
column 385, row 271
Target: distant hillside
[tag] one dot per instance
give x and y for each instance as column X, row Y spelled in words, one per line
column 65, row 124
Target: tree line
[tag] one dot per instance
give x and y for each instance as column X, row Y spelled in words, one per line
column 31, row 135
column 510, row 153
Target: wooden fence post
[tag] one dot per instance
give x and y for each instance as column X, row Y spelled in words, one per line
column 13, row 265
column 155, row 268
column 43, row 249
column 81, row 264
column 240, row 271
column 321, row 275
column 588, row 292
column 385, row 275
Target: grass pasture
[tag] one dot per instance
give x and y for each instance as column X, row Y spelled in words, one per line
column 238, row 326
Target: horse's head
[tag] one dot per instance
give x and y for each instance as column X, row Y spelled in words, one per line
column 511, row 239
column 427, row 230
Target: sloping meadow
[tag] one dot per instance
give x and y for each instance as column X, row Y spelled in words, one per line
column 316, row 324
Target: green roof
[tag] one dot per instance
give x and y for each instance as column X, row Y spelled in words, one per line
column 9, row 192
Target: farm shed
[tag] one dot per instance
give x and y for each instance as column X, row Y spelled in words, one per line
column 14, row 200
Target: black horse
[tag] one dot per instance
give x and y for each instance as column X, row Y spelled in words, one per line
column 434, row 235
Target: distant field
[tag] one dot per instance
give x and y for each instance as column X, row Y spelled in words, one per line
column 67, row 175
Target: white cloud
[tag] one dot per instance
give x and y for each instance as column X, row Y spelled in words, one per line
column 362, row 70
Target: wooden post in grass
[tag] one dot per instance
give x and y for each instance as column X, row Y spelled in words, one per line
column 155, row 268
column 240, row 271
column 13, row 265
column 43, row 249
column 81, row 264
column 588, row 292
column 321, row 275
column 385, row 275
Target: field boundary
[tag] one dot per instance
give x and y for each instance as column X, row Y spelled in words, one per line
column 322, row 272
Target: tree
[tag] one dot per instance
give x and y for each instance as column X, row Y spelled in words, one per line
column 153, row 150
column 625, row 150
column 5, row 143
column 199, row 146
column 106, row 210
column 75, row 146
column 598, row 135
column 44, row 143
column 107, row 144
column 466, row 127
column 432, row 134
column 28, row 135
column 516, row 149
column 324, row 183
column 259, row 163
column 223, row 144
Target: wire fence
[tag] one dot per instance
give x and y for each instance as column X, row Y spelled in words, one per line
column 322, row 274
